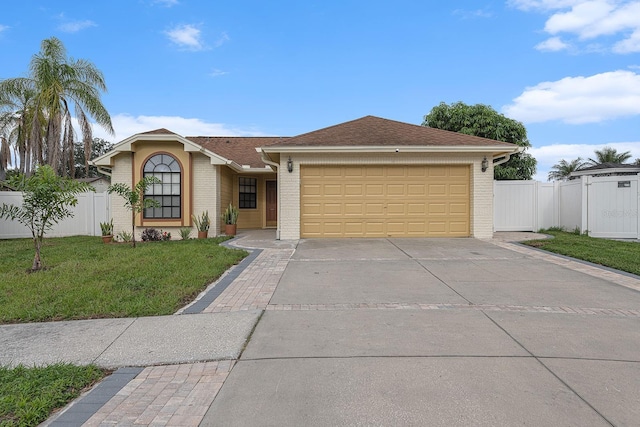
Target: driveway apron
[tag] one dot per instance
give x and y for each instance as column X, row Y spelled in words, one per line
column 436, row 332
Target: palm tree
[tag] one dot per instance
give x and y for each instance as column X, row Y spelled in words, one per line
column 60, row 83
column 16, row 116
column 609, row 155
column 561, row 171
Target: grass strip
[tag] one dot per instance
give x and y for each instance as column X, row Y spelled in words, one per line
column 87, row 279
column 28, row 396
column 620, row 255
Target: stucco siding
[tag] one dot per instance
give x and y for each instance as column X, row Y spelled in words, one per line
column 481, row 190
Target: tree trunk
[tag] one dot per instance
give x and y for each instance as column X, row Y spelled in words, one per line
column 37, row 262
column 133, row 227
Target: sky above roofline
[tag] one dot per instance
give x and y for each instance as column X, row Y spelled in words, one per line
column 568, row 69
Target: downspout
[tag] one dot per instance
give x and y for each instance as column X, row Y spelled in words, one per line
column 103, row 171
column 276, row 166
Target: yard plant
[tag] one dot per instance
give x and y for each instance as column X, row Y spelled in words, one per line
column 29, row 395
column 86, row 279
column 619, row 255
column 46, row 201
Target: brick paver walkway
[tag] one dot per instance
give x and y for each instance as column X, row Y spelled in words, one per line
column 174, row 395
column 255, row 286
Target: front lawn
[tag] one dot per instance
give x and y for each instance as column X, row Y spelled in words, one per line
column 623, row 256
column 29, row 395
column 87, row 279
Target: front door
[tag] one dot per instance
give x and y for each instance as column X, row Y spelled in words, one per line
column 272, row 203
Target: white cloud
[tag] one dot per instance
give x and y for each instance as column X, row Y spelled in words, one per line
column 166, row 3
column 3, row 28
column 224, row 37
column 472, row 14
column 126, row 125
column 216, row 73
column 75, row 26
column 580, row 99
column 542, row 4
column 549, row 155
column 186, row 36
column 629, row 45
column 590, row 19
column 552, row 44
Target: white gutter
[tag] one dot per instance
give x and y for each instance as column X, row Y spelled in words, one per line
column 500, row 160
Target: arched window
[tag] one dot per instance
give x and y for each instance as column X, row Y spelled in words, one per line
column 168, row 193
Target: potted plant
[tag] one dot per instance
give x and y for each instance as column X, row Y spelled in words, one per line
column 107, row 231
column 230, row 219
column 202, row 224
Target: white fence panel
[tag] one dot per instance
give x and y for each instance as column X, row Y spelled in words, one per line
column 514, row 205
column 612, row 206
column 569, row 197
column 546, row 202
column 91, row 210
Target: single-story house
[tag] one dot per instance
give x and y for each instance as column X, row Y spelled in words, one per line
column 607, row 169
column 370, row 177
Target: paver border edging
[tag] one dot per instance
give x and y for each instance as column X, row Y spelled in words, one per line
column 87, row 405
column 223, row 283
column 581, row 261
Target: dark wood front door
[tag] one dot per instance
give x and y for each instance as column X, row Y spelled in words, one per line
column 272, row 203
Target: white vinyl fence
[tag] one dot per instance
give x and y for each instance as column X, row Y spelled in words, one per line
column 91, row 210
column 603, row 206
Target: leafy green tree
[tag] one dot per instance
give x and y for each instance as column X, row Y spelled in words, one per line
column 483, row 121
column 608, row 155
column 46, row 201
column 98, row 148
column 134, row 199
column 59, row 83
column 561, row 171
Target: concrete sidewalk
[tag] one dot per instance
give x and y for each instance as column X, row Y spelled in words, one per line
column 344, row 340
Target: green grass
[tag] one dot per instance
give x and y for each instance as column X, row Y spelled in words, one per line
column 29, row 395
column 623, row 256
column 84, row 278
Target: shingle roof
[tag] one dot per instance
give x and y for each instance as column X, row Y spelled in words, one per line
column 161, row 131
column 241, row 150
column 378, row 132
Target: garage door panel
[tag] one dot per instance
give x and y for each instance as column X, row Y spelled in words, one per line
column 379, row 201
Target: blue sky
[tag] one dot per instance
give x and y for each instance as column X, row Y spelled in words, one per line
column 568, row 69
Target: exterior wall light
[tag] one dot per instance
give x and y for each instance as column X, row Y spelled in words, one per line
column 290, row 165
column 485, row 164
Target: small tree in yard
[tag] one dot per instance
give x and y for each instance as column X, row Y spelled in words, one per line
column 46, row 201
column 134, row 199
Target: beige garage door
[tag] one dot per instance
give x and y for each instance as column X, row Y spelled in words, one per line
column 382, row 201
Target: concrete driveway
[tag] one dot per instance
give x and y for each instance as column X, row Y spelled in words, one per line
column 436, row 332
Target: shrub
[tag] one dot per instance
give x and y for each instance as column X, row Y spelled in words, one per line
column 165, row 235
column 151, row 235
column 185, row 233
column 124, row 236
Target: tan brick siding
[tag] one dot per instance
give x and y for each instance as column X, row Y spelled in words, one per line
column 205, row 191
